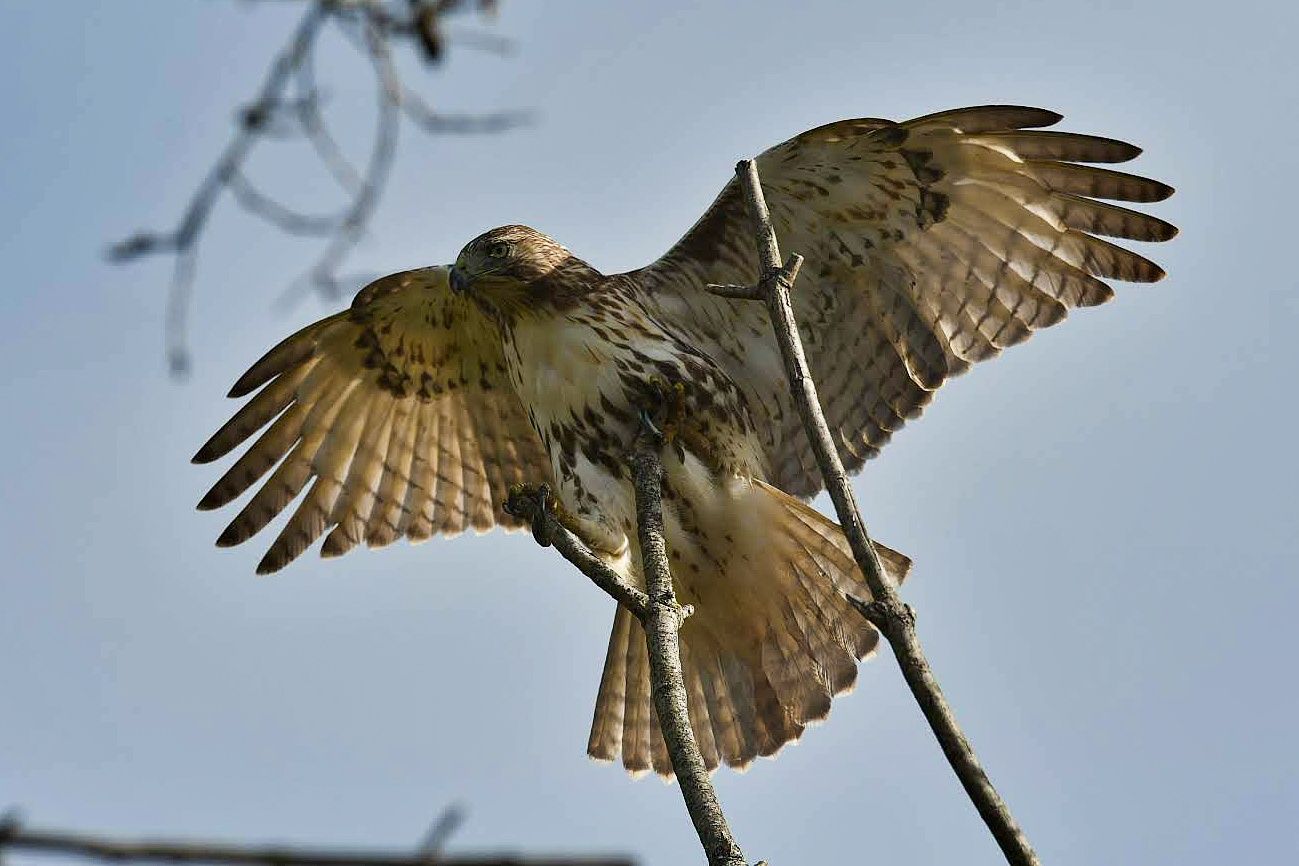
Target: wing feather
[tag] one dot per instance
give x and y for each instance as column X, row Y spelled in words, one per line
column 1100, row 218
column 1095, row 182
column 1066, row 146
column 929, row 245
column 385, row 519
column 396, row 416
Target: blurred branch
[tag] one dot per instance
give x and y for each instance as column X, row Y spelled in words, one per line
column 289, row 92
column 14, row 837
column 886, row 611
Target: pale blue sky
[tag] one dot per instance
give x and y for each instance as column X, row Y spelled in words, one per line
column 1102, row 521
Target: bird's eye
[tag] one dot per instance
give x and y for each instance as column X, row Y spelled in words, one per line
column 498, row 250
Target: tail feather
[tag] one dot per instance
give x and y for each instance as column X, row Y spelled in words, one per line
column 790, row 663
column 772, row 640
column 606, row 727
column 636, row 722
column 701, row 720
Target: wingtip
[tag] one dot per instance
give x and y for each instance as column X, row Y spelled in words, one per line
column 242, row 388
column 1055, row 116
column 205, row 454
column 269, row 566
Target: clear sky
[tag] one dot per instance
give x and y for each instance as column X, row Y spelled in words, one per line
column 1103, row 521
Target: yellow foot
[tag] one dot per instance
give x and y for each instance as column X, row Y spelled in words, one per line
column 667, row 411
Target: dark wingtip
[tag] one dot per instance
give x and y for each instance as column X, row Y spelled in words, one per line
column 272, row 562
column 1129, row 151
column 205, row 454
column 228, row 538
column 1055, row 116
column 1162, row 191
column 243, row 387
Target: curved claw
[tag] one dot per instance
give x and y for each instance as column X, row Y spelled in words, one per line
column 647, row 421
column 669, row 409
column 534, row 503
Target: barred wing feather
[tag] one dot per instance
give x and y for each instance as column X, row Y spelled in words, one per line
column 929, row 245
column 397, row 412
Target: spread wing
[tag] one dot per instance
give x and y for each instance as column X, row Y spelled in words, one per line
column 398, row 411
column 929, row 245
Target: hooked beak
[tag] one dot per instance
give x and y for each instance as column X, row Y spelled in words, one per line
column 459, row 282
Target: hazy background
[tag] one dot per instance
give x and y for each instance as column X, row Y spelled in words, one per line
column 1103, row 521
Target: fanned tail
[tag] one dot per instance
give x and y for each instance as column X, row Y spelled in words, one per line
column 771, row 642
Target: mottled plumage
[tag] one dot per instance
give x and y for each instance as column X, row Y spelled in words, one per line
column 929, row 245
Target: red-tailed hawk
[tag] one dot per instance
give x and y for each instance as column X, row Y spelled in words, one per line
column 929, row 245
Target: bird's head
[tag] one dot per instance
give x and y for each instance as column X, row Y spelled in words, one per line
column 514, row 271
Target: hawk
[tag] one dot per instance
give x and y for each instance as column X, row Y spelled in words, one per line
column 930, row 244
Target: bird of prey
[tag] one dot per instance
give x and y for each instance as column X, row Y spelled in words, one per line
column 929, row 244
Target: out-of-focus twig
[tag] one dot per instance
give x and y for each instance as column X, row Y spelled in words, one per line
column 15, row 837
column 288, row 103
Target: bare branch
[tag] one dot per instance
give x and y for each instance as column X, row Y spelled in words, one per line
column 289, row 91
column 380, row 164
column 730, row 290
column 661, row 616
column 292, row 222
column 316, row 129
column 435, row 840
column 14, row 837
column 430, row 120
column 533, row 503
column 887, row 611
column 667, row 682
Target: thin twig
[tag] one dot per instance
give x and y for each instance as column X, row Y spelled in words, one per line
column 14, row 837
column 435, row 840
column 289, row 91
column 667, row 681
column 281, row 216
column 886, row 611
column 533, row 504
column 183, row 241
column 380, row 164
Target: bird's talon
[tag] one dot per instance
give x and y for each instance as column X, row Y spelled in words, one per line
column 647, row 421
column 665, row 417
column 534, row 503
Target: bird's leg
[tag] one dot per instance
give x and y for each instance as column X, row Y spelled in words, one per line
column 666, row 415
column 536, row 503
column 664, row 410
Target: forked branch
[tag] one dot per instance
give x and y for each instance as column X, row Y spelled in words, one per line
column 886, row 610
column 288, row 103
column 661, row 615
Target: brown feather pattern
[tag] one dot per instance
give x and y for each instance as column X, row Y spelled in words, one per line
column 929, row 245
column 397, row 417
